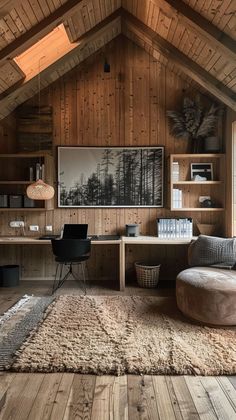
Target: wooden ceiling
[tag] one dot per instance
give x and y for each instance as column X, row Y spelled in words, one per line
column 198, row 37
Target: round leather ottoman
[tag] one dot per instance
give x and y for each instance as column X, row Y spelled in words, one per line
column 207, row 295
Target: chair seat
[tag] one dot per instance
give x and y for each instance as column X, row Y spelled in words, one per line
column 70, row 252
column 72, row 260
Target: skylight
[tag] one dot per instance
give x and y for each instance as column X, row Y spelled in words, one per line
column 45, row 52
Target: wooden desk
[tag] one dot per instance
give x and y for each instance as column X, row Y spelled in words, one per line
column 144, row 240
column 139, row 240
column 20, row 240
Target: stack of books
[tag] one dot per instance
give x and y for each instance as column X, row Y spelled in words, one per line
column 177, row 199
column 175, row 171
column 175, row 228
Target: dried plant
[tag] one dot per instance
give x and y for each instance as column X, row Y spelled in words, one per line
column 193, row 122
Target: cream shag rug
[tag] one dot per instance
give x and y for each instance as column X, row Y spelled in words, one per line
column 117, row 335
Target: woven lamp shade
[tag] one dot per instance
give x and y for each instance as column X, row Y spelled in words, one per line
column 40, row 191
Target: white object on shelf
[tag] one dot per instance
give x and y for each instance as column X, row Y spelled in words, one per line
column 175, row 171
column 177, row 198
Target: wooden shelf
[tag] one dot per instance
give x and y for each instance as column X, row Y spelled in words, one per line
column 198, row 155
column 197, row 182
column 24, row 209
column 16, row 182
column 24, row 155
column 199, row 209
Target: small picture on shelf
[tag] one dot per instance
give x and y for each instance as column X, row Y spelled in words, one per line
column 201, row 172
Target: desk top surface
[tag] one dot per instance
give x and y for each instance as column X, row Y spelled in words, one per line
column 155, row 240
column 24, row 240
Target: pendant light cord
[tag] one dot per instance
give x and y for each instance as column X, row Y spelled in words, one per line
column 39, row 99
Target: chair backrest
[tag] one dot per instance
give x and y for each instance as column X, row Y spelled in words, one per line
column 70, row 249
column 75, row 231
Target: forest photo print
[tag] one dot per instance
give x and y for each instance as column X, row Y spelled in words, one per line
column 110, row 177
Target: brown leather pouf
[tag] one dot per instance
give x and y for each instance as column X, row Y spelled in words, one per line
column 207, row 295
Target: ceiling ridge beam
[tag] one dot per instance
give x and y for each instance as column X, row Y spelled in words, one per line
column 207, row 29
column 188, row 66
column 100, row 25
column 39, row 30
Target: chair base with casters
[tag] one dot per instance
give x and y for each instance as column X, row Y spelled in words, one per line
column 69, row 253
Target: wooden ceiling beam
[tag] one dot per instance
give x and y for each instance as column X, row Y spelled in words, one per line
column 39, row 30
column 188, row 66
column 6, row 6
column 201, row 25
column 100, row 25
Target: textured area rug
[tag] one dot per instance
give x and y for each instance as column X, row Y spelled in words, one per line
column 117, row 335
column 17, row 323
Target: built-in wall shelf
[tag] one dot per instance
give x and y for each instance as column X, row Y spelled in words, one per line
column 17, row 171
column 186, row 192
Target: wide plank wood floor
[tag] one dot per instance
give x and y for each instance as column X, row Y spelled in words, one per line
column 68, row 396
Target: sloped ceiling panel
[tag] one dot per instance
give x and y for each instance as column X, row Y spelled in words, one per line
column 134, row 26
column 221, row 13
column 22, row 16
column 166, row 22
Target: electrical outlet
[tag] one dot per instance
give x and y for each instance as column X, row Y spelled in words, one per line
column 48, row 228
column 17, row 223
column 34, row 228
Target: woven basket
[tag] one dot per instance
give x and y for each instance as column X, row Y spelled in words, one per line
column 147, row 274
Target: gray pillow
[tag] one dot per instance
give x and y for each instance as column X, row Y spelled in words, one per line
column 208, row 250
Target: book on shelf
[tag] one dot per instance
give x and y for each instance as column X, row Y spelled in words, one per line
column 177, row 198
column 175, row 228
column 175, row 171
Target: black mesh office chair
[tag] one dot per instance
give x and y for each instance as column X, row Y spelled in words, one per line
column 69, row 252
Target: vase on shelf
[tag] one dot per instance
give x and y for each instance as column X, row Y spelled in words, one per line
column 197, row 145
column 212, row 144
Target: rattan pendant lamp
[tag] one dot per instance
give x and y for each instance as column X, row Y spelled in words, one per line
column 39, row 190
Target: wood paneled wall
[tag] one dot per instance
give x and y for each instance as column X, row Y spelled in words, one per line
column 126, row 107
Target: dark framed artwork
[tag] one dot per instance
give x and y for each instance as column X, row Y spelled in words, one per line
column 110, row 176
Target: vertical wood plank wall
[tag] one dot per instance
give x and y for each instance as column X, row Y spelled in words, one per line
column 126, row 107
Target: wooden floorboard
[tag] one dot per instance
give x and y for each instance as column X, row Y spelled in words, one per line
column 68, row 396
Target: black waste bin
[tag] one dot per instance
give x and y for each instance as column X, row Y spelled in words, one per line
column 9, row 275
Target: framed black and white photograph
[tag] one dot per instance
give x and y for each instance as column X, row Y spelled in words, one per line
column 110, row 176
column 201, row 172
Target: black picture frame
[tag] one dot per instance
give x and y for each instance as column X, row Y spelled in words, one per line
column 110, row 176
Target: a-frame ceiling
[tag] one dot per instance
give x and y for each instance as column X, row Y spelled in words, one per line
column 198, row 37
